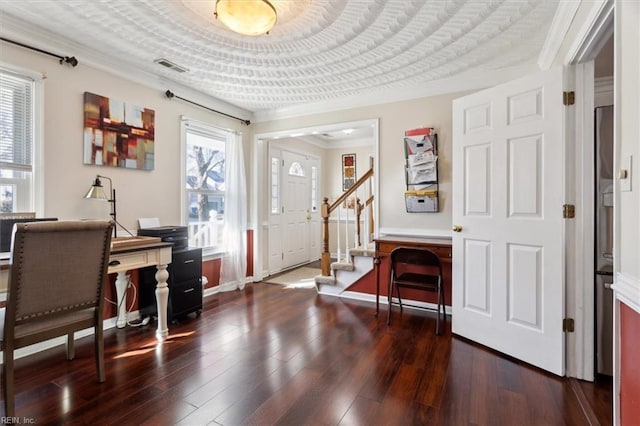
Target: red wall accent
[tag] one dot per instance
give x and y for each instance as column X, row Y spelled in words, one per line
column 629, row 365
column 211, row 270
column 249, row 252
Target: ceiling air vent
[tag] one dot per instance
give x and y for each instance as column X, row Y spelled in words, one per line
column 169, row 64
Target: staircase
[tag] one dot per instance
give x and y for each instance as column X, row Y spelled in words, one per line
column 345, row 273
column 347, row 227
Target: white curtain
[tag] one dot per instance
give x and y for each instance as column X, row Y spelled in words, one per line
column 234, row 263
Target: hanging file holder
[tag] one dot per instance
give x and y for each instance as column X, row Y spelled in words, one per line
column 421, row 170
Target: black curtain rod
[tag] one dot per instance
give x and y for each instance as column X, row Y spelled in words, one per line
column 169, row 94
column 71, row 60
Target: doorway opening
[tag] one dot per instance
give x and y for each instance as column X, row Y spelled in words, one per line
column 603, row 215
column 318, row 150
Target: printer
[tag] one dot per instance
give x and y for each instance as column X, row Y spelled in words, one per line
column 178, row 235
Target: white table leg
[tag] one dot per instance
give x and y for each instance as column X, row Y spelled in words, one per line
column 121, row 298
column 162, row 301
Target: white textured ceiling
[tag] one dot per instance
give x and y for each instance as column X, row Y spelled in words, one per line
column 319, row 50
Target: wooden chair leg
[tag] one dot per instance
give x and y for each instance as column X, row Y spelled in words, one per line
column 7, row 383
column 71, row 350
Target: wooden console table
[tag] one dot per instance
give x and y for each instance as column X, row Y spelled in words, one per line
column 385, row 245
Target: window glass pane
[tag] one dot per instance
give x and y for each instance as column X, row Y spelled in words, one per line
column 275, row 185
column 206, row 219
column 314, row 188
column 205, row 185
column 7, row 199
column 205, row 163
column 296, row 169
column 206, row 206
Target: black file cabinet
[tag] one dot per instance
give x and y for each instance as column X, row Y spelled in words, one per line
column 185, row 285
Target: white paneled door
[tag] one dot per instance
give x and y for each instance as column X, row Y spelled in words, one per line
column 508, row 248
column 295, row 201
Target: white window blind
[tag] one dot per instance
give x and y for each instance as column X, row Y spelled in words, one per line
column 17, row 112
column 16, row 121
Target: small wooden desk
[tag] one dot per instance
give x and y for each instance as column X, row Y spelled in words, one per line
column 385, row 245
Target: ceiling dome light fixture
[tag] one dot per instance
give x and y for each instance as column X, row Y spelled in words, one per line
column 247, row 17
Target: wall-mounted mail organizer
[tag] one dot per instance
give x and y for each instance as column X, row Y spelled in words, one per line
column 421, row 170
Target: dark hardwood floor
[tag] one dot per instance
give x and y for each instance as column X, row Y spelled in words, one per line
column 269, row 355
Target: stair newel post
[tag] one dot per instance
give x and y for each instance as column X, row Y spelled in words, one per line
column 325, row 260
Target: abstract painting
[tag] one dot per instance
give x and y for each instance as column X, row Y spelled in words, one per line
column 118, row 134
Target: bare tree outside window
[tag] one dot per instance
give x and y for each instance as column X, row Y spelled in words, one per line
column 205, row 185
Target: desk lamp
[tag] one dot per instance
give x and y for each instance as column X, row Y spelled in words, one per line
column 97, row 192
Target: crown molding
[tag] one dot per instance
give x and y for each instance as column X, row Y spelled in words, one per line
column 21, row 31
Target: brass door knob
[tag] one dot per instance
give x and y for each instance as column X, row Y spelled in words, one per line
column 457, row 228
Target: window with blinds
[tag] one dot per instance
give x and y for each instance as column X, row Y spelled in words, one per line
column 16, row 142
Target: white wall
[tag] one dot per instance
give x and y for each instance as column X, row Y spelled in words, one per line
column 333, row 168
column 395, row 118
column 139, row 193
column 627, row 135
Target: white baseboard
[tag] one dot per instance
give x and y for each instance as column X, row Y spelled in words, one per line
column 367, row 297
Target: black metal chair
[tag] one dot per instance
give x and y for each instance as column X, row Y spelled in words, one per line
column 419, row 269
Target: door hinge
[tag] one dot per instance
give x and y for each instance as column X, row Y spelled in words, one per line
column 568, row 325
column 568, row 211
column 568, row 98
column 282, row 256
column 282, row 209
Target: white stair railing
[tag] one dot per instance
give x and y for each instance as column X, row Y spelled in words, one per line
column 353, row 212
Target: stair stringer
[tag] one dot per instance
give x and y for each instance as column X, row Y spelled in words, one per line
column 344, row 275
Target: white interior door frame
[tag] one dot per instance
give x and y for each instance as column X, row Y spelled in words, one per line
column 580, row 264
column 580, row 302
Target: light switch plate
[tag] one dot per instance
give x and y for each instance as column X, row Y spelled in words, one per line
column 625, row 184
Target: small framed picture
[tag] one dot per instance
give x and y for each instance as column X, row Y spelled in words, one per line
column 348, row 171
